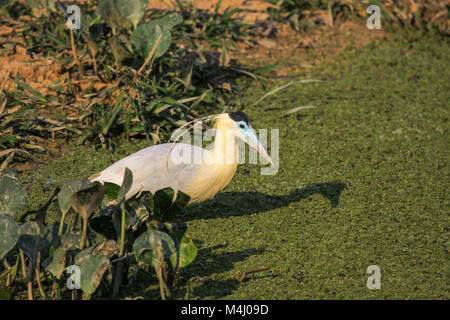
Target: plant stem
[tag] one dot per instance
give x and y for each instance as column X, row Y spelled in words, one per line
column 83, row 235
column 119, row 264
column 24, row 267
column 122, row 230
column 30, row 280
column 61, row 225
column 41, row 290
column 74, row 53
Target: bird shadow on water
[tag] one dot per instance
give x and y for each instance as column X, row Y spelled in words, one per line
column 237, row 203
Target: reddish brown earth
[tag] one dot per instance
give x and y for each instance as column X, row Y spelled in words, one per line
column 283, row 43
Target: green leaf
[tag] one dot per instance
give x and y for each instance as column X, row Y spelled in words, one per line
column 122, row 13
column 168, row 21
column 126, row 185
column 145, row 37
column 9, row 234
column 68, row 190
column 12, row 195
column 92, row 269
column 71, row 240
column 145, row 247
column 55, row 264
column 187, row 251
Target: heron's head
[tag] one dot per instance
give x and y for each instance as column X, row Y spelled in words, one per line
column 239, row 125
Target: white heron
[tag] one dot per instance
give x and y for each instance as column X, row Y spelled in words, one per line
column 156, row 167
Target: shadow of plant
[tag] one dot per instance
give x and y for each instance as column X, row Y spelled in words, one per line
column 211, row 261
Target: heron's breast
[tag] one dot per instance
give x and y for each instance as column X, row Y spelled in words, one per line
column 209, row 180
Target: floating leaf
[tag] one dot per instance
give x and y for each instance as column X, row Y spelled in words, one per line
column 12, row 195
column 9, row 234
column 145, row 36
column 145, row 247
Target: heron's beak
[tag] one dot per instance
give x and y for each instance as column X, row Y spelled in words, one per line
column 251, row 139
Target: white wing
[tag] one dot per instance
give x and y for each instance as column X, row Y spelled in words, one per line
column 155, row 168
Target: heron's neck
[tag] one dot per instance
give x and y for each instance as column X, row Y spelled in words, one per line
column 219, row 169
column 225, row 149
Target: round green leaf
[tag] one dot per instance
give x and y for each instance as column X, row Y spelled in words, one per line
column 187, row 251
column 55, row 264
column 9, row 234
column 68, row 190
column 145, row 37
column 92, row 269
column 12, row 195
column 122, row 12
column 145, row 246
column 168, row 21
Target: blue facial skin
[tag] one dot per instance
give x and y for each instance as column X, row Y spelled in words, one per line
column 251, row 139
column 249, row 135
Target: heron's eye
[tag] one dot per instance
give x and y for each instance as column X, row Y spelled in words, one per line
column 242, row 126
